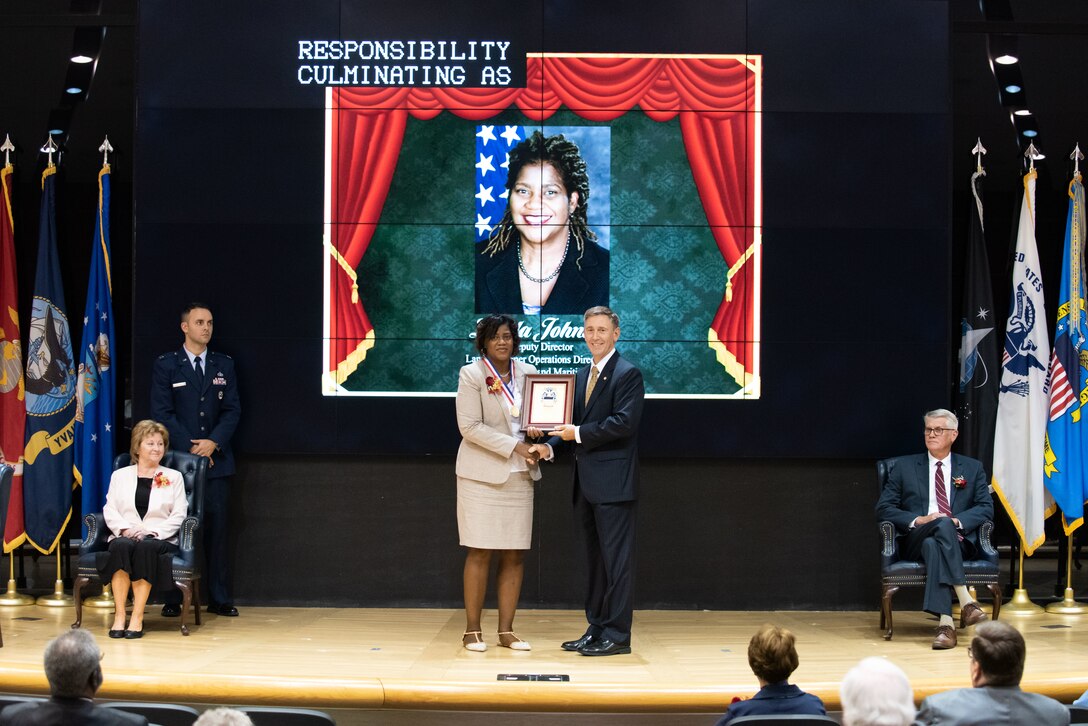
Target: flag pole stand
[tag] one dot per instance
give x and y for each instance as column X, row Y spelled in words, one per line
column 11, row 597
column 1068, row 606
column 103, row 601
column 59, row 598
column 1021, row 604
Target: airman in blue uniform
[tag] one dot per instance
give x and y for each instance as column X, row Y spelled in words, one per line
column 194, row 393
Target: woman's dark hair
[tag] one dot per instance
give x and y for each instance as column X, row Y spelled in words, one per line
column 566, row 158
column 488, row 327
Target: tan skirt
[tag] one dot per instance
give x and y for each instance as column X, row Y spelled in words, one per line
column 496, row 516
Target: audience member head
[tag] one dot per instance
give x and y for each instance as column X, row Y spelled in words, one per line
column 772, row 655
column 876, row 692
column 997, row 655
column 223, row 717
column 72, row 665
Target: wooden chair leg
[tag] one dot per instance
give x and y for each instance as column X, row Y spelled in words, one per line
column 77, row 588
column 886, row 609
column 186, row 601
column 995, row 589
column 196, row 600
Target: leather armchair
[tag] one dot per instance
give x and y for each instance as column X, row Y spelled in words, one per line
column 187, row 565
column 896, row 573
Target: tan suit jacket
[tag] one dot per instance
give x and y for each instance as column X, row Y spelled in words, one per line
column 166, row 509
column 484, row 421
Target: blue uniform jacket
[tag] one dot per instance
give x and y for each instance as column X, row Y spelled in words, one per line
column 188, row 413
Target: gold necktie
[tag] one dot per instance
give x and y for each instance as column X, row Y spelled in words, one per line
column 591, row 384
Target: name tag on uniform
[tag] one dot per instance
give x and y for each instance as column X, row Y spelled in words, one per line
column 179, row 384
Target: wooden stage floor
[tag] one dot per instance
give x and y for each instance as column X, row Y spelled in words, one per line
column 411, row 660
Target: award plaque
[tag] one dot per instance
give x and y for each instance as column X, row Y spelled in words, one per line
column 549, row 400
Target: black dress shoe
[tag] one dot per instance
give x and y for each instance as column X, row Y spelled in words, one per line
column 134, row 634
column 582, row 642
column 229, row 610
column 117, row 633
column 604, row 646
column 171, row 611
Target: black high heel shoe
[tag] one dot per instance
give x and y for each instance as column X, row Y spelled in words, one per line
column 117, row 633
column 134, row 634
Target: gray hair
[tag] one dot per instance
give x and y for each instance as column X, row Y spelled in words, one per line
column 71, row 659
column 954, row 423
column 602, row 310
column 223, row 717
column 876, row 692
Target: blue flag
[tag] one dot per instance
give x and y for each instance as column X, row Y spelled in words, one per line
column 95, row 389
column 1067, row 382
column 50, row 392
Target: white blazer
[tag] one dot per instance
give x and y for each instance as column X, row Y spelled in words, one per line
column 484, row 421
column 166, row 509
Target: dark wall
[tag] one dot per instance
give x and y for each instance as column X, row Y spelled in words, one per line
column 723, row 534
column 746, row 504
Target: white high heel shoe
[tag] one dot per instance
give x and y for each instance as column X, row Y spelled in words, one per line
column 476, row 646
column 517, row 644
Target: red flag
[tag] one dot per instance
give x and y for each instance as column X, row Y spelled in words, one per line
column 12, row 393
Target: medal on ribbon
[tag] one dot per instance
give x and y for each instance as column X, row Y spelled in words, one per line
column 507, row 388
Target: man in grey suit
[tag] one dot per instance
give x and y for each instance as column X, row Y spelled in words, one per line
column 608, row 398
column 997, row 655
column 937, row 501
column 74, row 673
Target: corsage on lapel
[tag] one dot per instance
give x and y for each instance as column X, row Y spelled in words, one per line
column 493, row 385
column 161, row 480
column 959, row 482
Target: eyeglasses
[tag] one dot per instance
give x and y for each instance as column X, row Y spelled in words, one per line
column 937, row 431
column 970, row 654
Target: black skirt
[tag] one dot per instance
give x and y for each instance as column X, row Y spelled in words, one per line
column 148, row 559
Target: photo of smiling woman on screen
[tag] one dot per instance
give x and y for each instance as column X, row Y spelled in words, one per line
column 543, row 258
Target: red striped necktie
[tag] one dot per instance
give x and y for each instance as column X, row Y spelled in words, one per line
column 942, row 494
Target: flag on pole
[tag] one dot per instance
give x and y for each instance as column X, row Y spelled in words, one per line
column 1067, row 433
column 1022, row 401
column 50, row 392
column 976, row 395
column 12, row 394
column 96, row 385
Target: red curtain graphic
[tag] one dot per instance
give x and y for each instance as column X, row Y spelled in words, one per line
column 714, row 96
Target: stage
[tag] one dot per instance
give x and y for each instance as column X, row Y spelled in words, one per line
column 404, row 665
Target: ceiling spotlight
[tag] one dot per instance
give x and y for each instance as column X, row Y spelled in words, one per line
column 1022, row 112
column 56, row 132
column 73, row 90
column 1012, row 88
column 1003, row 48
column 1030, row 133
column 86, row 44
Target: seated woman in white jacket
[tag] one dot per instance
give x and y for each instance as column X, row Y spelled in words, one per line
column 144, row 509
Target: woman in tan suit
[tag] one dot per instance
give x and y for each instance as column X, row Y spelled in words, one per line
column 145, row 506
column 495, row 474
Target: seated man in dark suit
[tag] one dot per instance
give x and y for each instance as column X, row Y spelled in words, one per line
column 75, row 674
column 997, row 655
column 937, row 501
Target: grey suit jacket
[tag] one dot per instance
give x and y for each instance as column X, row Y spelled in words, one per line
column 991, row 705
column 484, row 421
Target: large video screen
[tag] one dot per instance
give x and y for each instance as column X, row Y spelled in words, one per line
column 660, row 221
column 352, row 184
